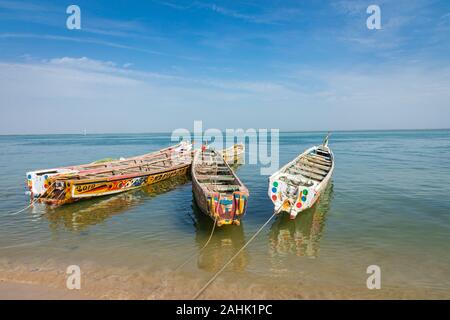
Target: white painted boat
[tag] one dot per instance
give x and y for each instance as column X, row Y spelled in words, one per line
column 298, row 185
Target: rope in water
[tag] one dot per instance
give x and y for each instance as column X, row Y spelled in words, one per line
column 211, row 280
column 32, row 202
column 206, row 244
column 29, row 243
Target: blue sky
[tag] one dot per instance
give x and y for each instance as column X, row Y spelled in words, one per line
column 149, row 66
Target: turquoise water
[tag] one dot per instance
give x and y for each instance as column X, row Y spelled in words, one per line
column 388, row 205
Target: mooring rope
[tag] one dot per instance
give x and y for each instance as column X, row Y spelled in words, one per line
column 205, row 245
column 29, row 243
column 233, row 257
column 32, row 202
column 27, row 207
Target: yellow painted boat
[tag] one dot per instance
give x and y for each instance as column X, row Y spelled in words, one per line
column 68, row 184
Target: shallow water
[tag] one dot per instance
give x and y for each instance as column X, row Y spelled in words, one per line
column 388, row 205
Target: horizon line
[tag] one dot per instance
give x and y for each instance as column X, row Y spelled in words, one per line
column 168, row 132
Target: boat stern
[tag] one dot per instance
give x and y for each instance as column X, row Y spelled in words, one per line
column 290, row 199
column 227, row 208
column 39, row 181
column 304, row 200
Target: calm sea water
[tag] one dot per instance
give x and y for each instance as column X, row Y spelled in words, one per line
column 388, row 205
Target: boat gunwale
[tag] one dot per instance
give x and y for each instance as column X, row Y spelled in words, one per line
column 105, row 164
column 122, row 177
column 83, row 177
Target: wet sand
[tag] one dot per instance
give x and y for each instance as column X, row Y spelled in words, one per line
column 38, row 283
column 26, row 291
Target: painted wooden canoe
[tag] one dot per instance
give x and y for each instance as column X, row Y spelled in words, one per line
column 69, row 184
column 298, row 185
column 217, row 190
column 234, row 154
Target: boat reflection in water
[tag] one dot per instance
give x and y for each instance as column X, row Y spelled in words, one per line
column 225, row 242
column 81, row 215
column 302, row 235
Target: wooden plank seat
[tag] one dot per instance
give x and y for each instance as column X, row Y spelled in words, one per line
column 314, row 164
column 323, row 154
column 127, row 162
column 118, row 170
column 212, row 169
column 217, row 177
column 318, row 161
column 305, row 174
column 318, row 158
column 222, row 188
column 311, row 169
column 212, row 172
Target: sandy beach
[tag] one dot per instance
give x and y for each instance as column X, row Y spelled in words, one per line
column 20, row 281
column 26, row 291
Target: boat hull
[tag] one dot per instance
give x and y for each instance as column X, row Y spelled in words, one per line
column 69, row 184
column 224, row 207
column 299, row 184
column 77, row 190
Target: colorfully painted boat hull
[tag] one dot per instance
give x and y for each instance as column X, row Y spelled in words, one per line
column 224, row 203
column 69, row 184
column 75, row 191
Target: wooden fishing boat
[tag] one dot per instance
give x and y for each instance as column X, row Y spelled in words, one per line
column 298, row 185
column 217, row 190
column 69, row 184
column 234, row 154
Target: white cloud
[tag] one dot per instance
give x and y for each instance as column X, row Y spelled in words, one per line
column 111, row 68
column 83, row 63
column 57, row 95
column 88, row 40
column 66, row 94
